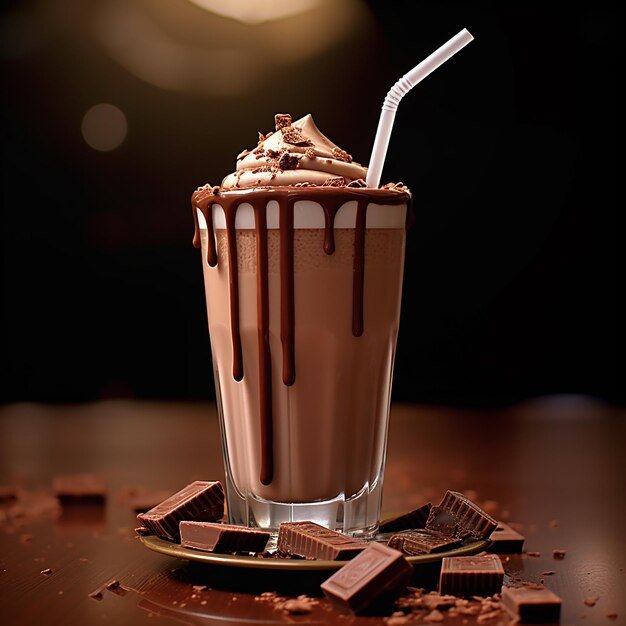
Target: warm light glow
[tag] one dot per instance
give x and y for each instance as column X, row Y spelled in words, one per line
column 104, row 127
column 256, row 11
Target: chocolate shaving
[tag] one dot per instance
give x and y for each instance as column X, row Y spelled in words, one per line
column 342, row 155
column 282, row 120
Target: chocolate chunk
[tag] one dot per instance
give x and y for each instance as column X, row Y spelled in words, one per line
column 334, row 181
column 409, row 521
column 457, row 515
column 293, row 135
column 46, row 572
column 312, row 541
column 471, row 575
column 201, row 501
column 80, row 488
column 414, row 542
column 288, row 161
column 536, row 605
column 281, row 120
column 558, row 554
column 505, row 540
column 591, row 601
column 375, row 577
column 222, row 538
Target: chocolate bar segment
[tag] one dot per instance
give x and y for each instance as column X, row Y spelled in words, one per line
column 414, row 519
column 373, row 578
column 80, row 488
column 222, row 538
column 414, row 542
column 506, row 540
column 312, row 541
column 532, row 605
column 457, row 515
column 201, row 501
column 471, row 575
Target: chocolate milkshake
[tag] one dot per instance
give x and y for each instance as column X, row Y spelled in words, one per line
column 303, row 276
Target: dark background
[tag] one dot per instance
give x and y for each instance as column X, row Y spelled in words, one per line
column 509, row 150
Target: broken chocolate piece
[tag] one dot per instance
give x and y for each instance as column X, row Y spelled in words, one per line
column 358, row 182
column 414, row 542
column 293, row 135
column 409, row 521
column 458, row 516
column 288, row 161
column 532, row 605
column 471, row 575
column 80, row 488
column 310, row 153
column 201, row 501
column 312, row 541
column 334, row 181
column 558, row 554
column 505, row 540
column 281, row 120
column 375, row 577
column 222, row 538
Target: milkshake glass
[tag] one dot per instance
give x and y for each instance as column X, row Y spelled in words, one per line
column 303, row 280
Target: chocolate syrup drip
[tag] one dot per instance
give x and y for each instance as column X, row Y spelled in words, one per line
column 331, row 199
column 265, row 357
column 287, row 295
column 233, row 290
column 358, row 272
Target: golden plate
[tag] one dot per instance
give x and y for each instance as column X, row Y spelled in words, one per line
column 179, row 552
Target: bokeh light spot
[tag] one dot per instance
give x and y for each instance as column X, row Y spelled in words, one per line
column 104, row 127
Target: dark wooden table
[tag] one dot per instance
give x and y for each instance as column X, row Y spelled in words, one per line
column 556, row 465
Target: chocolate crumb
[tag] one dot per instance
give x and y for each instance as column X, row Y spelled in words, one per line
column 113, row 584
column 262, row 138
column 342, row 155
column 310, row 153
column 533, row 554
column 548, row 573
column 46, row 572
column 26, row 538
column 142, row 531
column 273, row 154
column 242, row 154
column 288, row 161
column 591, row 601
column 558, row 554
column 612, row 615
column 553, row 523
column 199, row 587
column 281, row 120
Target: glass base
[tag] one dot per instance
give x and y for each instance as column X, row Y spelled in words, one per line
column 357, row 516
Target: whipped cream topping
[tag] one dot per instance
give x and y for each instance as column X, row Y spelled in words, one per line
column 294, row 154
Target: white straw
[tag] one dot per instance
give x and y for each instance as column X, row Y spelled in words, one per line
column 390, row 105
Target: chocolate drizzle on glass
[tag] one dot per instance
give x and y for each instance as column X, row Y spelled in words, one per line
column 331, row 199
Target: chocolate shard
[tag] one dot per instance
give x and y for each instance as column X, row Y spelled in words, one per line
column 413, row 542
column 532, row 605
column 80, row 488
column 408, row 521
column 312, row 541
column 222, row 538
column 201, row 501
column 458, row 516
column 506, row 540
column 282, row 120
column 375, row 577
column 481, row 575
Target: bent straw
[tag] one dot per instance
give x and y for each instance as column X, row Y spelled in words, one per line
column 390, row 105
